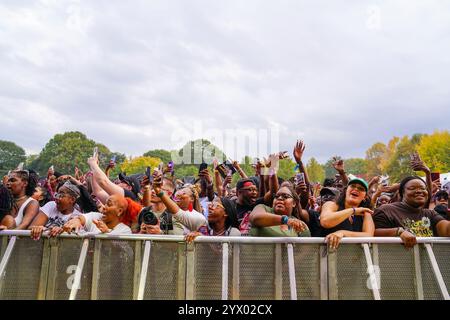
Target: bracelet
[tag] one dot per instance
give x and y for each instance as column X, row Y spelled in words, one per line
column 354, row 210
column 284, row 219
column 400, row 230
column 160, row 194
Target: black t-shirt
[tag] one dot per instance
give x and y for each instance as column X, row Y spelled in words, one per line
column 314, row 223
column 242, row 210
column 243, row 213
column 356, row 226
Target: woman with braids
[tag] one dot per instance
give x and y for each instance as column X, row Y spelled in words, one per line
column 21, row 184
column 186, row 208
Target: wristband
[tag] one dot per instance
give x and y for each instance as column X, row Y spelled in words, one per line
column 284, row 219
column 160, row 194
column 354, row 210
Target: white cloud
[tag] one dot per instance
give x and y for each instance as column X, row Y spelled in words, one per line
column 342, row 76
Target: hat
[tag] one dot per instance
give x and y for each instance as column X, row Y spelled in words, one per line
column 359, row 181
column 132, row 182
column 243, row 183
column 329, row 190
column 73, row 188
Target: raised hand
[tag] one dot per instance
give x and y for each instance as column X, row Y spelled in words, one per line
column 298, row 150
column 338, row 164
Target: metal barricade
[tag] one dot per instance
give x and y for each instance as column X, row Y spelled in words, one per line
column 165, row 267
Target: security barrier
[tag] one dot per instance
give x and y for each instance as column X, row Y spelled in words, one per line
column 165, row 267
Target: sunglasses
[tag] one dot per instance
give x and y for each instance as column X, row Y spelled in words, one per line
column 283, row 196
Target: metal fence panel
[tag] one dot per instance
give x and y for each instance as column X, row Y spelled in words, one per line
column 162, row 275
column 442, row 253
column 307, row 272
column 352, row 273
column 208, row 271
column 22, row 274
column 430, row 287
column 116, row 274
column 257, row 272
column 397, row 272
column 68, row 254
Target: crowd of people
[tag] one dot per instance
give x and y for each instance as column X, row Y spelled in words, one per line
column 262, row 205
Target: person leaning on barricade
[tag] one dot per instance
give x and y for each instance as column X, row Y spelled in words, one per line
column 280, row 220
column 21, row 185
column 222, row 221
column 55, row 214
column 409, row 218
column 349, row 216
column 109, row 221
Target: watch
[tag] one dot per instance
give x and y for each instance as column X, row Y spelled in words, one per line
column 284, row 219
column 160, row 194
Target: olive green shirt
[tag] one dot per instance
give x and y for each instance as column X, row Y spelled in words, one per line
column 275, row 231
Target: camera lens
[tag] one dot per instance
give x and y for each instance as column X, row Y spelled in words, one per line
column 148, row 217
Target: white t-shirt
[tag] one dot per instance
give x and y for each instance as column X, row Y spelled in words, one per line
column 89, row 226
column 192, row 220
column 56, row 218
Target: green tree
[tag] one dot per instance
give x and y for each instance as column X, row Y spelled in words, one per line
column 196, row 152
column 10, row 156
column 66, row 150
column 374, row 159
column 139, row 164
column 398, row 165
column 164, row 155
column 330, row 172
column 356, row 166
column 315, row 171
column 186, row 170
column 434, row 150
column 286, row 169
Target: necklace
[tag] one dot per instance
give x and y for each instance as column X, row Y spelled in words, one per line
column 21, row 198
column 220, row 233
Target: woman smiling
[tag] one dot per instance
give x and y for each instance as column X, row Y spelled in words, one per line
column 349, row 216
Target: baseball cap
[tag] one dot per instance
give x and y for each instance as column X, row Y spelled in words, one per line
column 359, row 181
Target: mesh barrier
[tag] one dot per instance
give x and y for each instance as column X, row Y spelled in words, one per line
column 307, row 272
column 22, row 274
column 352, row 273
column 430, row 286
column 116, row 275
column 118, row 270
column 162, row 273
column 442, row 253
column 68, row 254
column 208, row 271
column 397, row 272
column 257, row 268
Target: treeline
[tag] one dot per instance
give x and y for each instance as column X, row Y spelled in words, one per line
column 65, row 151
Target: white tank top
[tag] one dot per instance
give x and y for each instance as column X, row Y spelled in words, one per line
column 19, row 216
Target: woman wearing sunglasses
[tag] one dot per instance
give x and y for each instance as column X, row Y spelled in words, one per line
column 349, row 216
column 282, row 220
column 222, row 221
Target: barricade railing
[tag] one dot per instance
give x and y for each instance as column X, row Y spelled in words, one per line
column 88, row 266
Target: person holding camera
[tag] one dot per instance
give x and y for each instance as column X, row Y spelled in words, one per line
column 109, row 221
column 186, row 208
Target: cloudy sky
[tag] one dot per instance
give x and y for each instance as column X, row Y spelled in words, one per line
column 139, row 75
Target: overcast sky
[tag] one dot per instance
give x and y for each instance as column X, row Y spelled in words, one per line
column 341, row 75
